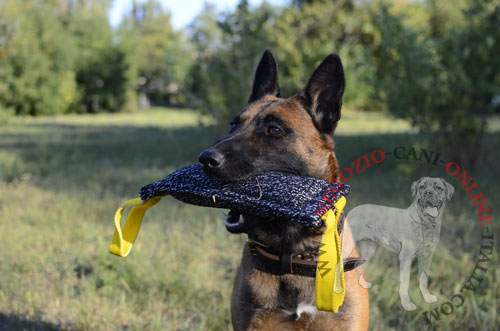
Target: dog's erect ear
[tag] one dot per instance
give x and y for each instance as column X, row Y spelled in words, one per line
column 414, row 187
column 266, row 78
column 449, row 189
column 323, row 94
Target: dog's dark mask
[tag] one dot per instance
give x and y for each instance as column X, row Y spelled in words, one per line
column 287, row 135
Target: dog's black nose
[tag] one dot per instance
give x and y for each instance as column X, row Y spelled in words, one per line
column 211, row 158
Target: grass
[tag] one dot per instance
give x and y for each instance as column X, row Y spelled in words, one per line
column 61, row 179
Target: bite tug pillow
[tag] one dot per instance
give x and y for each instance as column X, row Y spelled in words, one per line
column 273, row 195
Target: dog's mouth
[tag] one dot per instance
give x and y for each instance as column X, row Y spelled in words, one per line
column 233, row 221
column 431, row 208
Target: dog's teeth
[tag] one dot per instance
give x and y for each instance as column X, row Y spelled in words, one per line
column 229, row 223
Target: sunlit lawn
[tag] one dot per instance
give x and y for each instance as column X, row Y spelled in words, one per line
column 61, row 179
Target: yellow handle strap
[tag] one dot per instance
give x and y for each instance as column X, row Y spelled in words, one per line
column 330, row 286
column 124, row 239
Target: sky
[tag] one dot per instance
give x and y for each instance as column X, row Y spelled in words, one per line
column 183, row 11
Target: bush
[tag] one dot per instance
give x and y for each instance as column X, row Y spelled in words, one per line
column 36, row 61
column 443, row 81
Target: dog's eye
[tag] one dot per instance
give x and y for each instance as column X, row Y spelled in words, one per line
column 273, row 131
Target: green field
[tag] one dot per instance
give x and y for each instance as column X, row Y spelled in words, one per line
column 61, row 179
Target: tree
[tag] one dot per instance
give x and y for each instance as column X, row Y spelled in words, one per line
column 160, row 54
column 443, row 80
column 306, row 32
column 101, row 66
column 220, row 78
column 59, row 56
column 36, row 60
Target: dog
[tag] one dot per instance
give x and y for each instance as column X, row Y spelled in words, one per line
column 412, row 232
column 292, row 135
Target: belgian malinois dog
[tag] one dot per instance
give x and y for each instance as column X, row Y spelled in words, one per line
column 292, row 135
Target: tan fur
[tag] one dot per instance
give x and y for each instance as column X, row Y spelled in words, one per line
column 265, row 288
column 256, row 295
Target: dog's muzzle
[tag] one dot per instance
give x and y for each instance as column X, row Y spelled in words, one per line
column 431, row 206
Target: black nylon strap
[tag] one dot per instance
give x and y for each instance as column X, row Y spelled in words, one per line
column 286, row 263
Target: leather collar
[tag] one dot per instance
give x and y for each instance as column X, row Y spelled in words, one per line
column 288, row 263
column 297, row 264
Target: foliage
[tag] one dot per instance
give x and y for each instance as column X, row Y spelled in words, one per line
column 160, row 54
column 63, row 56
column 220, row 79
column 304, row 34
column 36, row 60
column 443, row 79
column 101, row 65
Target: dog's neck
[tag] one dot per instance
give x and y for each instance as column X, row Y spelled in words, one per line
column 430, row 222
column 287, row 237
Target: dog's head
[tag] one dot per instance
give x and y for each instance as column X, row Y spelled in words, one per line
column 431, row 195
column 290, row 135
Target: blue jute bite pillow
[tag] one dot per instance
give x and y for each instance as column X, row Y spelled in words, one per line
column 272, row 195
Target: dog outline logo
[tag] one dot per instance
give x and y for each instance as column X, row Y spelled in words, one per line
column 411, row 233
